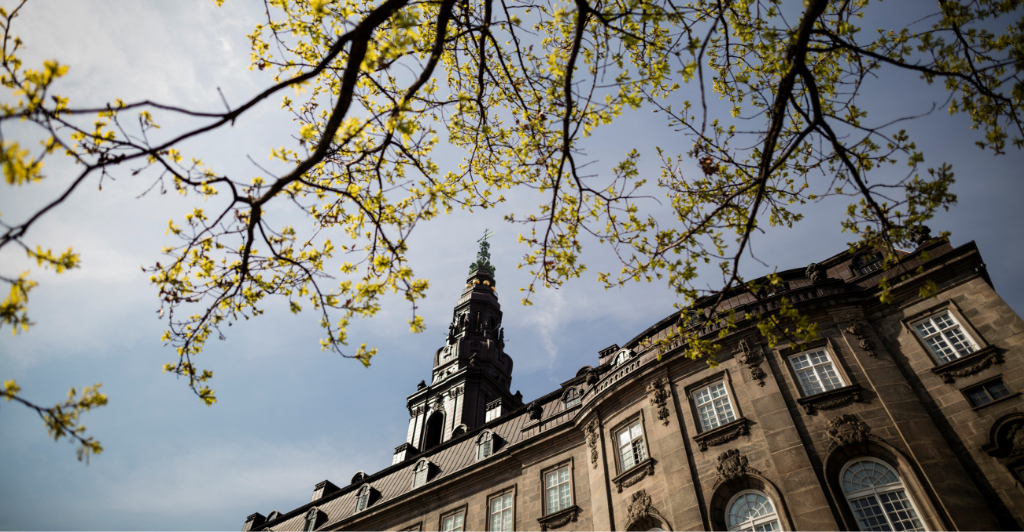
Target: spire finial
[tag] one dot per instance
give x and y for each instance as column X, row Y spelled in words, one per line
column 483, row 256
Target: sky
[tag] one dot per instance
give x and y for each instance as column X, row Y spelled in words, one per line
column 289, row 415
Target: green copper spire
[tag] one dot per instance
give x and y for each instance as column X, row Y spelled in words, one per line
column 483, row 257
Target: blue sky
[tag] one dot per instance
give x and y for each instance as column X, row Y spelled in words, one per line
column 288, row 414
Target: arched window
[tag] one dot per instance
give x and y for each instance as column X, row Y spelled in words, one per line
column 878, row 498
column 866, row 263
column 622, row 357
column 419, row 474
column 572, row 397
column 363, row 498
column 435, row 425
column 752, row 510
column 484, row 445
column 311, row 519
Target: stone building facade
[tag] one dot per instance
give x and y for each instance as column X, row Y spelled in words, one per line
column 906, row 415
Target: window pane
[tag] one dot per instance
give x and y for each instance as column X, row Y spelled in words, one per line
column 978, row 396
column 634, row 431
column 829, row 378
column 869, row 514
column 901, row 513
column 627, row 458
column 960, row 342
column 996, row 389
column 868, row 474
column 809, row 381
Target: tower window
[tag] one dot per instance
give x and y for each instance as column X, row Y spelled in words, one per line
column 816, row 372
column 500, row 512
column 945, row 337
column 557, row 490
column 752, row 510
column 987, row 392
column 878, row 498
column 630, row 441
column 713, row 405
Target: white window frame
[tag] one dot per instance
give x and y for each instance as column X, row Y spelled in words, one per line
column 508, row 511
column 363, row 498
column 559, row 506
column 421, row 473
column 637, row 451
column 482, row 451
column 877, row 492
column 753, row 523
column 718, row 416
column 461, row 515
column 943, row 333
column 621, row 358
column 816, row 371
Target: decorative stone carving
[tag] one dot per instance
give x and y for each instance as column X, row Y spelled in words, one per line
column 861, row 333
column 815, row 272
column 751, row 357
column 847, row 430
column 460, row 430
column 848, row 316
column 731, row 465
column 636, row 474
column 640, row 508
column 1016, row 440
column 658, row 395
column 535, row 411
column 831, row 399
column 592, row 431
column 963, row 367
column 920, row 235
column 1006, row 438
column 559, row 519
column 724, row 434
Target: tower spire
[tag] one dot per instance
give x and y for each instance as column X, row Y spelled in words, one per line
column 483, row 256
column 471, row 372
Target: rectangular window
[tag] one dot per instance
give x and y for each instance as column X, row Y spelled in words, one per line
column 987, row 392
column 713, row 406
column 501, row 513
column 452, row 523
column 557, row 490
column 816, row 372
column 631, row 445
column 945, row 337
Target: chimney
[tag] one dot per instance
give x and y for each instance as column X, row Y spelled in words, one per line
column 253, row 522
column 496, row 409
column 323, row 489
column 404, row 452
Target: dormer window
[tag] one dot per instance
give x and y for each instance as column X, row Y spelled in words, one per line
column 311, row 519
column 484, row 445
column 420, row 473
column 622, row 357
column 866, row 263
column 572, row 397
column 363, row 498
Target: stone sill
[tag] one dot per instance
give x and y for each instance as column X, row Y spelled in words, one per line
column 997, row 401
column 830, row 399
column 722, row 434
column 559, row 518
column 975, row 362
column 634, row 474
